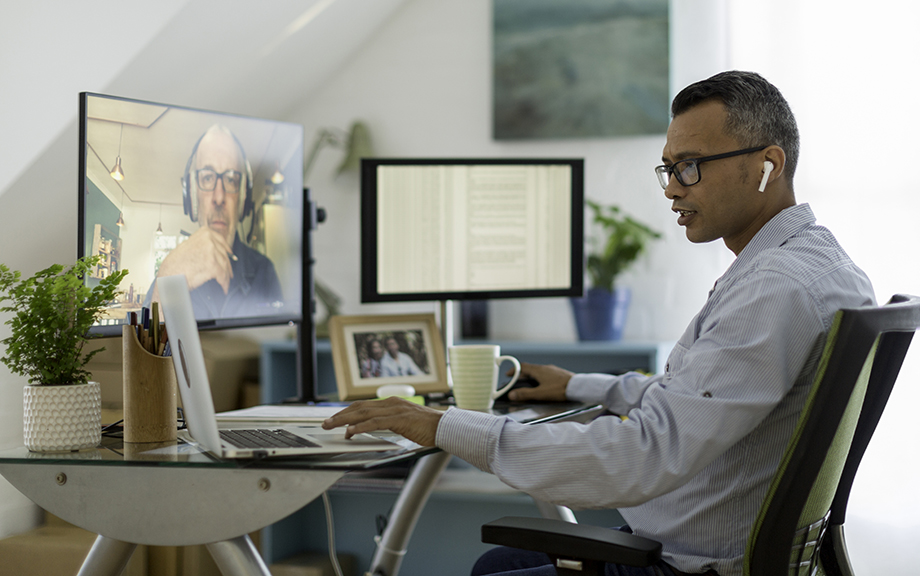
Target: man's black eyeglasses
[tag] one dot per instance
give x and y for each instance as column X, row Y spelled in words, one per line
column 687, row 171
column 207, row 180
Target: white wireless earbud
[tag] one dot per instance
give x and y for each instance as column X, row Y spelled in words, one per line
column 767, row 168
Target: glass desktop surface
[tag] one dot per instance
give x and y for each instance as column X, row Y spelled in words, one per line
column 112, row 451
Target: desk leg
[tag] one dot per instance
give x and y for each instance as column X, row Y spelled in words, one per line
column 412, row 498
column 107, row 557
column 238, row 557
column 554, row 512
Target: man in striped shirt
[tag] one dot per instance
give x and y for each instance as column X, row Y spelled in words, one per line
column 693, row 461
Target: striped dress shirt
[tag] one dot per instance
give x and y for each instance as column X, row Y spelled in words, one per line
column 692, row 463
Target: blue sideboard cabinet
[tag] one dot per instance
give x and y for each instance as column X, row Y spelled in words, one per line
column 447, row 534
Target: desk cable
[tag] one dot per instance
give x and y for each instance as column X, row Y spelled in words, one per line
column 330, row 531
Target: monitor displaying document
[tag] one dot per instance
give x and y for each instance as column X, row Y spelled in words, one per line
column 439, row 229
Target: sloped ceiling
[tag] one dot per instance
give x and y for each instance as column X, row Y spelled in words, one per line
column 240, row 56
column 252, row 58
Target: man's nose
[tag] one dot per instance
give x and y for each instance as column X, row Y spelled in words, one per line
column 674, row 189
column 219, row 194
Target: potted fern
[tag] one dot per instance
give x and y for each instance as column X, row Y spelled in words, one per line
column 619, row 240
column 51, row 315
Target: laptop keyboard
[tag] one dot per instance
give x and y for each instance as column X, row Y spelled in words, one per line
column 265, row 438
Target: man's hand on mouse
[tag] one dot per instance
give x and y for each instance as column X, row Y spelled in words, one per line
column 417, row 423
column 552, row 382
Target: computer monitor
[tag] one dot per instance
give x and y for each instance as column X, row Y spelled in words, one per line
column 217, row 197
column 471, row 229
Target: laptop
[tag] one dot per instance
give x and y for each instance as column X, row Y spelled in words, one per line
column 198, row 405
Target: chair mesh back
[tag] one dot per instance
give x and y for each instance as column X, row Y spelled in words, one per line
column 803, row 556
column 807, row 497
column 815, row 515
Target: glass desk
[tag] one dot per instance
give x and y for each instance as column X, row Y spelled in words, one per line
column 180, row 495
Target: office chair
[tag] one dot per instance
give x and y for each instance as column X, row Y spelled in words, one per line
column 800, row 525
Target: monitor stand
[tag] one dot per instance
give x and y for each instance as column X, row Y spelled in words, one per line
column 306, row 328
column 447, row 334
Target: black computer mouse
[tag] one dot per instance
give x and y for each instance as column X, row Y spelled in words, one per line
column 523, row 382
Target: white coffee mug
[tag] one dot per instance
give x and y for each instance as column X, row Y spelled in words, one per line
column 474, row 370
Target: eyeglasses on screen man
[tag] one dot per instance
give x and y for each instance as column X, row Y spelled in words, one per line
column 687, row 171
column 207, row 180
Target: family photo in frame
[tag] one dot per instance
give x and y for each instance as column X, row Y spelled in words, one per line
column 372, row 351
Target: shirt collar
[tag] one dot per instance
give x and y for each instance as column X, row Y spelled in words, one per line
column 778, row 230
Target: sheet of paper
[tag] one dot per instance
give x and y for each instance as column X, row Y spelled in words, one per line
column 280, row 413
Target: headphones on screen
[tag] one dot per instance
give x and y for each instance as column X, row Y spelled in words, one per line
column 190, row 192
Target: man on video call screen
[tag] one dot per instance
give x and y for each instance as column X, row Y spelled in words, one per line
column 216, row 198
column 226, row 277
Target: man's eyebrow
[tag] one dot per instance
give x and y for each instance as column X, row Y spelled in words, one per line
column 682, row 156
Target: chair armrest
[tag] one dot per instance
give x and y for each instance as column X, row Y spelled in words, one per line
column 578, row 541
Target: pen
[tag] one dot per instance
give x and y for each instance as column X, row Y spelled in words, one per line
column 155, row 327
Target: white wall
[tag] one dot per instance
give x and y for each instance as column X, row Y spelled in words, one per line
column 50, row 51
column 423, row 85
column 848, row 70
column 45, row 61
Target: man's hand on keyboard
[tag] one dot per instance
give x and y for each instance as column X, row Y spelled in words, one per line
column 417, row 423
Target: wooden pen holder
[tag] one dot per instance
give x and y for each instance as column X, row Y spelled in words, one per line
column 149, row 385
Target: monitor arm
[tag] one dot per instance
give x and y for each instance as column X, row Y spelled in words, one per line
column 306, row 329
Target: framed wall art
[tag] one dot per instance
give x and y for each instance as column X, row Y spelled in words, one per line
column 592, row 68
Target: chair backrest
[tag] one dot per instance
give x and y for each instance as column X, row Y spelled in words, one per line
column 863, row 354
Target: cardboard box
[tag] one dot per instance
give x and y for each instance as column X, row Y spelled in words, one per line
column 59, row 548
column 56, row 550
column 250, row 395
column 186, row 560
column 105, row 368
column 313, row 564
column 229, row 360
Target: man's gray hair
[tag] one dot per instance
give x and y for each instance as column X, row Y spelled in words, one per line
column 757, row 113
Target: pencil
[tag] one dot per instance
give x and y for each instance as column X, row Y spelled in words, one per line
column 161, row 349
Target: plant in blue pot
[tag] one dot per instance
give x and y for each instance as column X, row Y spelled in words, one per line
column 616, row 244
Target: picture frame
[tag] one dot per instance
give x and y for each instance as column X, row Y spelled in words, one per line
column 372, row 351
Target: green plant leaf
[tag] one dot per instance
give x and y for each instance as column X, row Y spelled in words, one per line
column 616, row 245
column 52, row 314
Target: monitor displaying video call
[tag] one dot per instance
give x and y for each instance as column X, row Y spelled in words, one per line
column 218, row 198
column 453, row 229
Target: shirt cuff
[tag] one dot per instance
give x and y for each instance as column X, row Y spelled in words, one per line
column 469, row 435
column 589, row 388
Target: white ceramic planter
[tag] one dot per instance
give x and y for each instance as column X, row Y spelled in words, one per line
column 62, row 418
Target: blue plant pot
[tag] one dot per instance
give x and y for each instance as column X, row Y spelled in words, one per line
column 601, row 315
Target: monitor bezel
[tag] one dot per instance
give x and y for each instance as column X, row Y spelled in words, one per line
column 113, row 330
column 369, row 293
